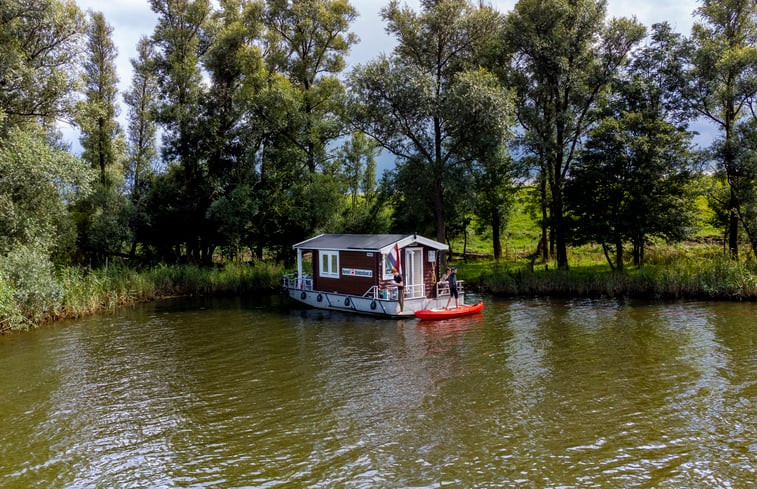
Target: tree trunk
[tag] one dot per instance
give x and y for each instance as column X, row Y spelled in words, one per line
column 733, row 229
column 441, row 231
column 607, row 256
column 544, row 220
column 558, row 222
column 496, row 234
column 618, row 254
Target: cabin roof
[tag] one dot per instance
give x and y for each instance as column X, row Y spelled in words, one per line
column 366, row 242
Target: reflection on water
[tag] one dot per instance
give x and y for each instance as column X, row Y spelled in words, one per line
column 531, row 393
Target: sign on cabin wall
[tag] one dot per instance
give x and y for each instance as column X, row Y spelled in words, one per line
column 357, row 272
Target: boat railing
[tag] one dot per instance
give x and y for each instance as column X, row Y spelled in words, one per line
column 442, row 288
column 372, row 292
column 413, row 291
column 390, row 293
column 292, row 281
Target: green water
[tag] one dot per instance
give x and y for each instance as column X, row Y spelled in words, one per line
column 532, row 393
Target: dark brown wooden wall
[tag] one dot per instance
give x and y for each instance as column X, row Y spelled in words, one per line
column 359, row 285
column 348, row 284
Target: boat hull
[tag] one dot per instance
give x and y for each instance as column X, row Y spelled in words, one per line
column 436, row 314
column 373, row 306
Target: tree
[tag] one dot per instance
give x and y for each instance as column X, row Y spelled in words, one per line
column 565, row 55
column 40, row 48
column 37, row 182
column 637, row 161
column 235, row 67
column 103, row 218
column 179, row 43
column 631, row 183
column 101, row 136
column 401, row 101
column 744, row 144
column 723, row 81
column 357, row 158
column 306, row 43
column 141, row 153
column 484, row 114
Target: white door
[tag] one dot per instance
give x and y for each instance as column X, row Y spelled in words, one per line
column 414, row 272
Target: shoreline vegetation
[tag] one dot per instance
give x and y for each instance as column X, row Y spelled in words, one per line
column 78, row 292
column 686, row 274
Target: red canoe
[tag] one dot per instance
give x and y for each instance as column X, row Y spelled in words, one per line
column 450, row 313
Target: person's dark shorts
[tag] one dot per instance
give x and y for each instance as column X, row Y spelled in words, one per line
column 453, row 292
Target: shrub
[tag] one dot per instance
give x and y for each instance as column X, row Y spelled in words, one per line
column 29, row 275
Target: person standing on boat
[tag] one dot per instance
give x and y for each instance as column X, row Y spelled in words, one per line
column 400, row 288
column 451, row 278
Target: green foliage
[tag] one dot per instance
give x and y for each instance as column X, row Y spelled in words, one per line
column 141, row 129
column 103, row 224
column 40, row 46
column 408, row 102
column 307, row 42
column 720, row 279
column 11, row 316
column 485, row 115
column 722, row 86
column 565, row 54
column 29, row 274
column 37, row 181
column 101, row 136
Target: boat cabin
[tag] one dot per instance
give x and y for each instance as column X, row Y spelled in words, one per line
column 354, row 271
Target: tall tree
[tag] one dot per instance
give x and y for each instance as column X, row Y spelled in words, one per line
column 103, row 218
column 101, row 136
column 637, row 161
column 235, row 67
column 400, row 100
column 179, row 43
column 746, row 161
column 141, row 157
column 565, row 55
column 357, row 158
column 307, row 43
column 40, row 49
column 723, row 82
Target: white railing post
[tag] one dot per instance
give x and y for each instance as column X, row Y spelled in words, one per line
column 299, row 268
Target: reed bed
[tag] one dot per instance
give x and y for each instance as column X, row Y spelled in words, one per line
column 684, row 278
column 87, row 292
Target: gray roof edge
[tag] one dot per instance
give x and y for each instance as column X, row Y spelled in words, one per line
column 401, row 240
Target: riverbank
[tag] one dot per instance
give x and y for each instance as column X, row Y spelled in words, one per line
column 695, row 279
column 78, row 291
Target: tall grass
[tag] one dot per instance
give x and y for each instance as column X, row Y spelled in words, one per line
column 691, row 278
column 86, row 292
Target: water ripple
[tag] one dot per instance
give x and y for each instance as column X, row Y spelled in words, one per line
column 532, row 394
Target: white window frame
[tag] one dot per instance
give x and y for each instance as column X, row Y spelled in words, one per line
column 386, row 266
column 329, row 257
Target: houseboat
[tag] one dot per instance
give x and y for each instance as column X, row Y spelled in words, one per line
column 354, row 273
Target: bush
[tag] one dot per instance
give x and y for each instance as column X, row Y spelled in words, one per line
column 28, row 277
column 10, row 315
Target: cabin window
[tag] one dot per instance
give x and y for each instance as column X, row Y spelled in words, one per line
column 389, row 263
column 330, row 264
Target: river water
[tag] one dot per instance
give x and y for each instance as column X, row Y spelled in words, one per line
column 533, row 393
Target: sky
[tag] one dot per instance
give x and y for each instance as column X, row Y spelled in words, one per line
column 132, row 19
